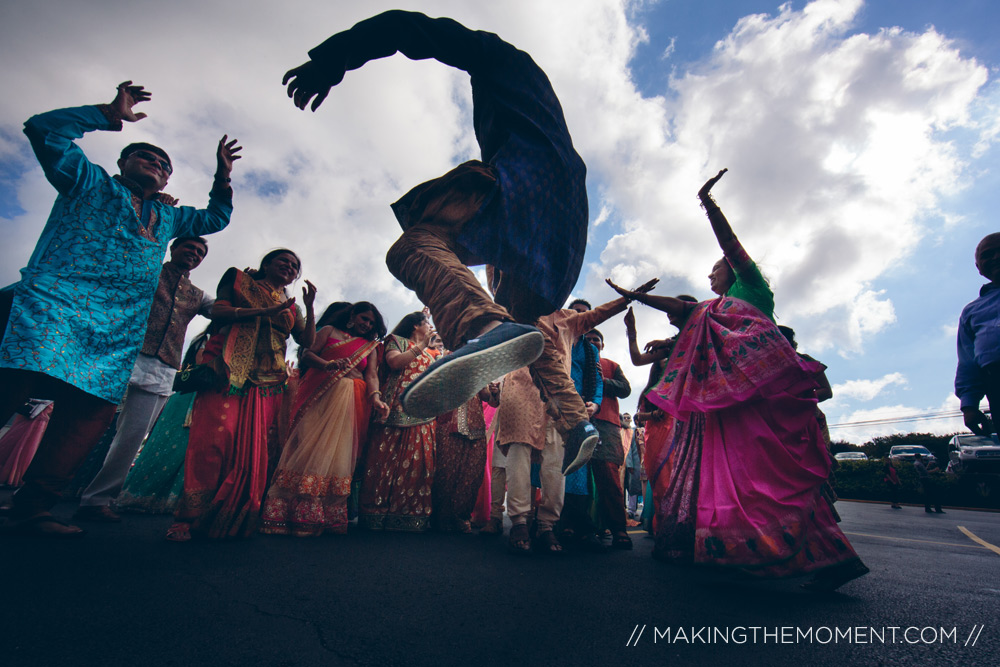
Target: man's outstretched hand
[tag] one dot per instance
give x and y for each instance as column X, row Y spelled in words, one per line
column 308, row 80
column 128, row 96
column 227, row 153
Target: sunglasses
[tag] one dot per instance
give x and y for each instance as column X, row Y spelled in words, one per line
column 155, row 159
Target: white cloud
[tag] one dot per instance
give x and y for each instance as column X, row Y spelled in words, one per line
column 837, row 163
column 602, row 215
column 866, row 390
column 669, row 51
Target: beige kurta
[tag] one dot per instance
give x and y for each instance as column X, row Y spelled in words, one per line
column 521, row 416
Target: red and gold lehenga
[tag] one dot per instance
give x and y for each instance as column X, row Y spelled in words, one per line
column 399, row 469
column 225, row 467
column 308, row 495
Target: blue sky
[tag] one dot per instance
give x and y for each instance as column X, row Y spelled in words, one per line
column 860, row 138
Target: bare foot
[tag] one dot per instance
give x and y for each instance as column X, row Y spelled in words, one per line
column 44, row 524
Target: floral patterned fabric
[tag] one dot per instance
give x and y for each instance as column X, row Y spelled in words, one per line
column 156, row 480
column 399, row 469
column 747, row 461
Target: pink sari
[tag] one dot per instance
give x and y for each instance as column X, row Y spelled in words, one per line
column 481, row 514
column 19, row 444
column 746, row 458
column 309, row 492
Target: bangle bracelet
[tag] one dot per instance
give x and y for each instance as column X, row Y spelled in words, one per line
column 237, row 313
column 375, row 392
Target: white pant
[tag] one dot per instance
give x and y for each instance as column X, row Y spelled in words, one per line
column 553, row 482
column 139, row 411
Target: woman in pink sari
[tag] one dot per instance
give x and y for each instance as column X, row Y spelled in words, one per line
column 329, row 419
column 225, row 468
column 747, row 460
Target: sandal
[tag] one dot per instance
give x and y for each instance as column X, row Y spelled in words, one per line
column 621, row 541
column 179, row 532
column 519, row 541
column 36, row 527
column 548, row 543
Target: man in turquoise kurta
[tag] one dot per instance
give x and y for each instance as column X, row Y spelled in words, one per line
column 74, row 323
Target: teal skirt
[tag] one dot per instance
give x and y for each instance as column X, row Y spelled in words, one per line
column 156, row 480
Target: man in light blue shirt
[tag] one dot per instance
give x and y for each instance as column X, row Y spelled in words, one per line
column 978, row 371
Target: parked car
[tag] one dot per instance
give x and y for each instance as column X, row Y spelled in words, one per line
column 973, row 453
column 851, row 456
column 908, row 453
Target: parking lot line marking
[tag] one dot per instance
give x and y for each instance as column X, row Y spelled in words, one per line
column 968, row 533
column 907, row 539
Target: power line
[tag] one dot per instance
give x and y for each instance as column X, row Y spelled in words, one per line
column 930, row 416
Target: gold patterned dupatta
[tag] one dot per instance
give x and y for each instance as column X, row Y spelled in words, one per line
column 316, row 382
column 254, row 350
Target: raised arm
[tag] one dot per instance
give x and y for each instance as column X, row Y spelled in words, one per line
column 735, row 254
column 590, row 319
column 307, row 334
column 415, row 35
column 723, row 231
column 52, row 135
column 667, row 304
column 191, row 221
column 641, row 358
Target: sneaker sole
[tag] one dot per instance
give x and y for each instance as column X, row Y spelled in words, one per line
column 450, row 385
column 587, row 448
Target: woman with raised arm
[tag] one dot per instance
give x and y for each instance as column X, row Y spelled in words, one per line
column 337, row 392
column 734, row 275
column 659, row 426
column 748, row 460
column 225, row 470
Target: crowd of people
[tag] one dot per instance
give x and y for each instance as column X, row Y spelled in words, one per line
column 484, row 402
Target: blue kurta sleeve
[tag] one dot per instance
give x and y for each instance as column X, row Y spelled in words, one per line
column 52, row 135
column 191, row 221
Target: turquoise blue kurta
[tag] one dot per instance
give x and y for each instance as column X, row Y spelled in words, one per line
column 80, row 309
